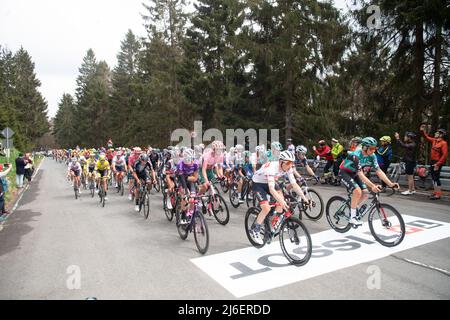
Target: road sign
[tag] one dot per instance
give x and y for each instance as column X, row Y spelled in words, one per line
column 7, row 143
column 7, row 133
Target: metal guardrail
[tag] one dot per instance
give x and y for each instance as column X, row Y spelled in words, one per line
column 445, row 175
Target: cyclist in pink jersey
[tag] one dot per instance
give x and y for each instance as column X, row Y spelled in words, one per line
column 212, row 160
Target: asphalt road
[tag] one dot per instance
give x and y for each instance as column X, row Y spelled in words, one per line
column 56, row 247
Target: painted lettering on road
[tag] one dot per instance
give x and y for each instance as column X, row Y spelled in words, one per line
column 248, row 271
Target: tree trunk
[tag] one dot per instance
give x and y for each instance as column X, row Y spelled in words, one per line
column 437, row 77
column 419, row 75
column 289, row 96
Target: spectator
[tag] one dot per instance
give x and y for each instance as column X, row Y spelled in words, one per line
column 290, row 145
column 409, row 158
column 384, row 155
column 324, row 151
column 439, row 153
column 2, row 189
column 20, row 170
column 29, row 169
column 337, row 153
column 354, row 144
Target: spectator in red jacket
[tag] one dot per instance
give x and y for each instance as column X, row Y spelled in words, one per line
column 324, row 152
column 439, row 153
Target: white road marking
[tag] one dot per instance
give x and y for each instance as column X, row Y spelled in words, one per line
column 248, row 271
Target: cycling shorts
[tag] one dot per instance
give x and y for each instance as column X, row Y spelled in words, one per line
column 351, row 181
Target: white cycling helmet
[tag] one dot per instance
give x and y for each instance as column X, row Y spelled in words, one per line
column 291, row 148
column 301, row 149
column 232, row 149
column 188, row 153
column 287, row 156
column 239, row 148
column 82, row 158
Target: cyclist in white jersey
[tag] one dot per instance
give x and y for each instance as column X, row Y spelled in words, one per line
column 264, row 183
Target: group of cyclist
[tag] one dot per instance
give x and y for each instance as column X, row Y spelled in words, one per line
column 193, row 170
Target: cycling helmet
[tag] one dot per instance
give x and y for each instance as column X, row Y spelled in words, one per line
column 82, row 158
column 276, row 145
column 102, row 157
column 357, row 140
column 74, row 159
column 301, row 149
column 442, row 131
column 150, row 149
column 247, row 154
column 322, row 142
column 385, row 139
column 232, row 149
column 143, row 157
column 410, row 134
column 217, row 144
column 291, row 148
column 239, row 148
column 287, row 156
column 369, row 142
column 188, row 153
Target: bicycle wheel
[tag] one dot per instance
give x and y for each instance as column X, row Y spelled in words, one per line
column 220, row 209
column 315, row 210
column 395, row 174
column 250, row 219
column 146, row 204
column 167, row 211
column 201, row 234
column 122, row 189
column 295, row 241
column 157, row 185
column 386, row 225
column 75, row 189
column 92, row 188
column 250, row 199
column 182, row 228
column 224, row 185
column 338, row 214
column 234, row 197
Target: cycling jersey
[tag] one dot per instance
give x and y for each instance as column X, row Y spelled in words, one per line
column 210, row 158
column 101, row 166
column 74, row 167
column 356, row 160
column 141, row 169
column 185, row 169
column 272, row 170
column 119, row 161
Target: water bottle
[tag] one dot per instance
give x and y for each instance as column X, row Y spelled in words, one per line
column 362, row 209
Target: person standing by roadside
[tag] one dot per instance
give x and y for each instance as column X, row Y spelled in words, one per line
column 337, row 151
column 29, row 166
column 20, row 170
column 439, row 153
column 409, row 158
column 324, row 151
column 3, row 183
column 384, row 156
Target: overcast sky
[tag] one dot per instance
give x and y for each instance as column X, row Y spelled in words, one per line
column 57, row 34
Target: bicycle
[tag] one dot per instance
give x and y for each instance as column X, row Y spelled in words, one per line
column 247, row 193
column 197, row 224
column 385, row 222
column 295, row 240
column 102, row 192
column 313, row 210
column 215, row 205
column 76, row 189
column 91, row 182
column 83, row 180
column 144, row 199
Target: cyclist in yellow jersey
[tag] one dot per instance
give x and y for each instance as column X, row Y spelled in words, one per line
column 102, row 168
